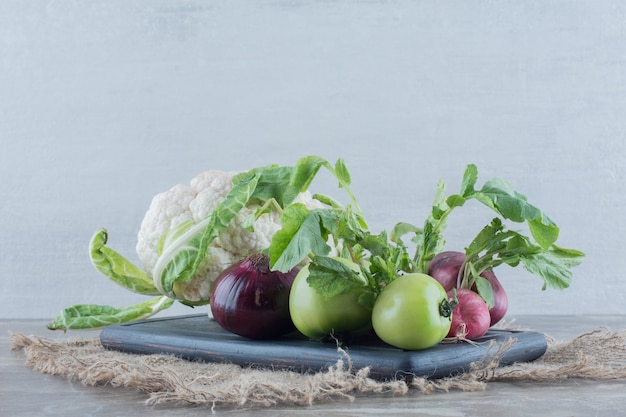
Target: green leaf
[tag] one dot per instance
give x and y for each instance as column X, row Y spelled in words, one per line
column 431, row 241
column 469, row 180
column 553, row 266
column 342, row 224
column 92, row 316
column 171, row 235
column 343, row 176
column 180, row 261
column 271, row 183
column 401, row 229
column 284, row 183
column 516, row 248
column 119, row 269
column 342, row 173
column 501, row 197
column 302, row 175
column 568, row 257
column 439, row 202
column 300, row 235
column 455, row 200
column 367, row 299
column 544, row 233
column 327, row 200
column 485, row 290
column 486, row 238
column 330, row 277
column 495, row 245
column 376, row 245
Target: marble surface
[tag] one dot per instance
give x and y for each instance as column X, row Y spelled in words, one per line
column 24, row 392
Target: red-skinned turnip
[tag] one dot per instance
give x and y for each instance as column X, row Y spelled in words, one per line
column 447, row 267
column 470, row 316
column 500, row 299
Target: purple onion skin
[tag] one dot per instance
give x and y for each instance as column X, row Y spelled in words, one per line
column 445, row 266
column 252, row 301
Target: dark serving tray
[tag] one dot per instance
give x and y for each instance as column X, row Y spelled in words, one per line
column 197, row 337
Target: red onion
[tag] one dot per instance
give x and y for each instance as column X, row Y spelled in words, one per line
column 252, row 301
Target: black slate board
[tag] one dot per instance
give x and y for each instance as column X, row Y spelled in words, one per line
column 196, row 337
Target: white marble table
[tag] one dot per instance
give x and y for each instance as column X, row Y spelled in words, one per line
column 24, row 392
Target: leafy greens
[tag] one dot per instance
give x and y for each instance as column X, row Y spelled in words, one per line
column 312, row 235
column 384, row 257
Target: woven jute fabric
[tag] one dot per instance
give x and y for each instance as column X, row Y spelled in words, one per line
column 599, row 354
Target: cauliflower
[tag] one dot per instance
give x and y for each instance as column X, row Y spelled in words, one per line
column 191, row 233
column 192, row 203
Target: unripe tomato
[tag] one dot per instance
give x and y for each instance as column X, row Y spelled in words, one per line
column 318, row 317
column 412, row 312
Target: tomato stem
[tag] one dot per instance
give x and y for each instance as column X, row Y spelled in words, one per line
column 446, row 306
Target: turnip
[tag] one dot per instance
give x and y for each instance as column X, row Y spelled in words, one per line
column 445, row 268
column 500, row 299
column 449, row 268
column 470, row 316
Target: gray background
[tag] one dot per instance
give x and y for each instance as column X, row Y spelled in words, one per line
column 105, row 103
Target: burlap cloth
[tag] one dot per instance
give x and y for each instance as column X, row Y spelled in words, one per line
column 600, row 355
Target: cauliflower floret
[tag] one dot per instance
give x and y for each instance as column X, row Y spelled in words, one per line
column 184, row 203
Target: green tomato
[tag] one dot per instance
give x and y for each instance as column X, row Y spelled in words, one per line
column 412, row 312
column 319, row 318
